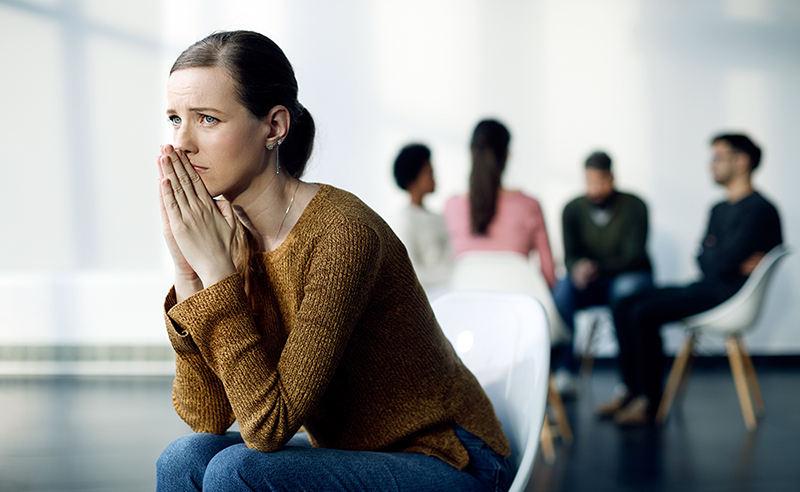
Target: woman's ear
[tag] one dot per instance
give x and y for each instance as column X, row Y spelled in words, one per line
column 277, row 122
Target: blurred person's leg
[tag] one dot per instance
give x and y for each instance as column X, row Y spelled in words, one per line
column 628, row 284
column 568, row 300
column 638, row 320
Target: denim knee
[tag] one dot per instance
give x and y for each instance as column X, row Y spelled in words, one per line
column 182, row 465
column 229, row 469
column 178, row 466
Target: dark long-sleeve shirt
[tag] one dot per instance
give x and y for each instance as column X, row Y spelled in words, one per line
column 735, row 232
column 618, row 246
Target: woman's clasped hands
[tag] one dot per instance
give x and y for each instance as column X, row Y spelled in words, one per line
column 198, row 229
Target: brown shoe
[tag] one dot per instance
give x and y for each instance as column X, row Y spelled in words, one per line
column 609, row 408
column 636, row 412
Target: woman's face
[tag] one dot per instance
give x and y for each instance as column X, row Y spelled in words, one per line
column 224, row 142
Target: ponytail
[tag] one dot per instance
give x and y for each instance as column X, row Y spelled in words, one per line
column 484, row 185
column 489, row 151
column 299, row 143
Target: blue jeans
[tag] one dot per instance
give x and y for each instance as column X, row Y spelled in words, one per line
column 606, row 290
column 213, row 462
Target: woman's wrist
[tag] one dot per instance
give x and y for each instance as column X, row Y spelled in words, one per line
column 186, row 287
column 218, row 272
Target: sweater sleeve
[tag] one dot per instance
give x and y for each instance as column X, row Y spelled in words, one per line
column 542, row 244
column 197, row 394
column 271, row 398
column 571, row 233
column 633, row 243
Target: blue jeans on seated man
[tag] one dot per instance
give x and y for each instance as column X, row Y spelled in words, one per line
column 212, row 462
column 605, row 291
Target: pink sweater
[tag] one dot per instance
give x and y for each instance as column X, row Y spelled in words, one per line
column 518, row 225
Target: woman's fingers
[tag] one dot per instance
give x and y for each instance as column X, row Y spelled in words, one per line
column 177, row 192
column 188, row 179
column 194, row 178
column 164, row 218
column 226, row 210
column 170, row 204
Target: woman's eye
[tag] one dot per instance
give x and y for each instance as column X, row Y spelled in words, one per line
column 175, row 120
column 209, row 119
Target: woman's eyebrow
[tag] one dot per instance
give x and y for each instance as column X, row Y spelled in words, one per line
column 197, row 110
column 204, row 110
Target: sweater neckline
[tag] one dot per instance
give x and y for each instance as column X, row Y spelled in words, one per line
column 306, row 216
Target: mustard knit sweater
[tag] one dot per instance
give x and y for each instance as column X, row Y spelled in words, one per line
column 347, row 346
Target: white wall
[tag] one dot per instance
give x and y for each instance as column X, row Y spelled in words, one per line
column 649, row 81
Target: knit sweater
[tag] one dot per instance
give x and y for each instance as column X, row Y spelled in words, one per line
column 618, row 246
column 347, row 346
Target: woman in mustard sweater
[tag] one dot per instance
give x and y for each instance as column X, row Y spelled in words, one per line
column 295, row 305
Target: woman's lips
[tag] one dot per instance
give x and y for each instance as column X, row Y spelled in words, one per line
column 199, row 169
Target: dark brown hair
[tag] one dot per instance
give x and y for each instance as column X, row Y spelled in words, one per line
column 264, row 79
column 741, row 143
column 489, row 152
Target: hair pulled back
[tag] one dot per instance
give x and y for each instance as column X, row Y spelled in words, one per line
column 264, row 78
column 489, row 153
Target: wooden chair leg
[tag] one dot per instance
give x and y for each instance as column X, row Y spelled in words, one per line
column 740, row 380
column 676, row 378
column 685, row 379
column 558, row 410
column 750, row 372
column 587, row 361
column 548, row 451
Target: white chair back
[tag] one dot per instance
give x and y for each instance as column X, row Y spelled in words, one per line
column 503, row 339
column 739, row 313
column 507, row 271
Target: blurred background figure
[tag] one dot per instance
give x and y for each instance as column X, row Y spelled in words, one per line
column 605, row 234
column 423, row 232
column 741, row 230
column 491, row 218
column 494, row 231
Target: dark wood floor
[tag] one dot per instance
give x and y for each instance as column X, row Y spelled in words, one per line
column 704, row 446
column 104, row 434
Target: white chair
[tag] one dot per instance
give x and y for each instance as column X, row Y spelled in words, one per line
column 507, row 271
column 730, row 320
column 503, row 339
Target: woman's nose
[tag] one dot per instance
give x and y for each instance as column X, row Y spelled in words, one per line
column 184, row 140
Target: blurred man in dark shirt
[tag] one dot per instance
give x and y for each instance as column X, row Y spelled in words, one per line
column 605, row 237
column 741, row 230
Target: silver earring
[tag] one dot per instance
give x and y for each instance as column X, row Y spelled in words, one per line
column 277, row 156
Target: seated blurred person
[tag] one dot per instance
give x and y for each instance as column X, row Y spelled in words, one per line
column 492, row 223
column 741, row 230
column 605, row 232
column 423, row 233
column 491, row 217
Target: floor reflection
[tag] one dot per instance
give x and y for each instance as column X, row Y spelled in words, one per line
column 704, row 445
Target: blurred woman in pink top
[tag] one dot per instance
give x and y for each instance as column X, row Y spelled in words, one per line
column 491, row 218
